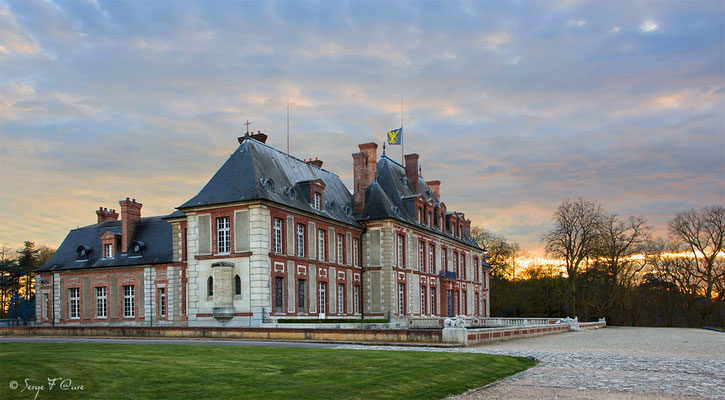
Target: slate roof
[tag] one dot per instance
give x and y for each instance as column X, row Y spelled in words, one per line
column 386, row 197
column 154, row 232
column 256, row 171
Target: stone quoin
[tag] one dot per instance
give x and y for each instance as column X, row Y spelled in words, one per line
column 273, row 237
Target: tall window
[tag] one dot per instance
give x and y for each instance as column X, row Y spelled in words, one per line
column 421, row 255
column 463, row 266
column 433, row 301
column 341, row 298
column 129, row 301
column 45, row 308
column 356, row 252
column 431, row 258
column 222, row 235
column 210, row 286
column 423, row 295
column 301, row 295
column 464, row 301
column 237, row 285
column 278, row 295
column 300, row 240
column 74, row 294
column 162, row 302
column 399, row 250
column 340, row 248
column 401, row 298
column 475, row 269
column 356, row 298
column 277, row 235
column 476, row 306
column 444, row 259
column 428, row 219
column 420, row 215
column 321, row 244
column 108, row 250
column 318, row 201
column 101, row 302
column 455, row 265
column 323, row 297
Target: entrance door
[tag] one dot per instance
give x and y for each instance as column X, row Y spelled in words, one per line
column 450, row 303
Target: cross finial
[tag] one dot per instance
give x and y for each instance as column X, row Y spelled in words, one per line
column 247, row 124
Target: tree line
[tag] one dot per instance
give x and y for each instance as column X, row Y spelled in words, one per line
column 613, row 267
column 16, row 274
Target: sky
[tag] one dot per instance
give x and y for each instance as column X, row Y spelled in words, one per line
column 515, row 106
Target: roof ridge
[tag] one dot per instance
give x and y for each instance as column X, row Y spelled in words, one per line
column 288, row 155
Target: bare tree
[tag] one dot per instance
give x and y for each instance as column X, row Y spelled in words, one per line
column 501, row 253
column 703, row 231
column 619, row 245
column 574, row 238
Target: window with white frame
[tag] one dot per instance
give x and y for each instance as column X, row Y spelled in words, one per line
column 74, row 296
column 101, row 302
column 108, row 250
column 455, row 265
column 300, row 240
column 429, row 219
column 277, row 235
column 340, row 247
column 162, row 302
column 356, row 298
column 421, row 255
column 129, row 301
column 318, row 200
column 431, row 258
column 45, row 309
column 341, row 298
column 401, row 299
column 423, row 295
column 464, row 273
column 355, row 252
column 399, row 251
column 321, row 244
column 444, row 259
column 420, row 215
column 323, row 297
column 432, row 301
column 222, row 235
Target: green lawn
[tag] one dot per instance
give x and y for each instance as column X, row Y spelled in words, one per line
column 109, row 371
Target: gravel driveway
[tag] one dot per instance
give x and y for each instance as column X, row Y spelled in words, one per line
column 611, row 363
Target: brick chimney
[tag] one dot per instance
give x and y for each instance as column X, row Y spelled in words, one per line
column 317, row 163
column 435, row 186
column 130, row 215
column 256, row 136
column 105, row 214
column 365, row 164
column 411, row 170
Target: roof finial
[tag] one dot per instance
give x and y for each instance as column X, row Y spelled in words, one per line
column 420, row 170
column 247, row 124
column 383, row 149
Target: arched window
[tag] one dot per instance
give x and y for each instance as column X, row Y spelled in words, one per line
column 237, row 285
column 210, row 286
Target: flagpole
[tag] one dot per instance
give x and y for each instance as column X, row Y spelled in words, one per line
column 402, row 138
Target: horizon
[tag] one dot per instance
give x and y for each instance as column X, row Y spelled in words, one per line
column 514, row 108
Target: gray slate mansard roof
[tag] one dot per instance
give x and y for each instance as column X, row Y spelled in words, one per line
column 384, row 198
column 256, row 171
column 154, row 232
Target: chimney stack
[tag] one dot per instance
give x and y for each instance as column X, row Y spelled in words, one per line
column 130, row 215
column 317, row 163
column 365, row 164
column 259, row 136
column 411, row 170
column 435, row 186
column 105, row 214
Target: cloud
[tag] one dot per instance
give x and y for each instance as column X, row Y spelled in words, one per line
column 514, row 110
column 648, row 26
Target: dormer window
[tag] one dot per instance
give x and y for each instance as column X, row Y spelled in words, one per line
column 83, row 252
column 108, row 250
column 137, row 248
column 318, row 201
column 428, row 218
